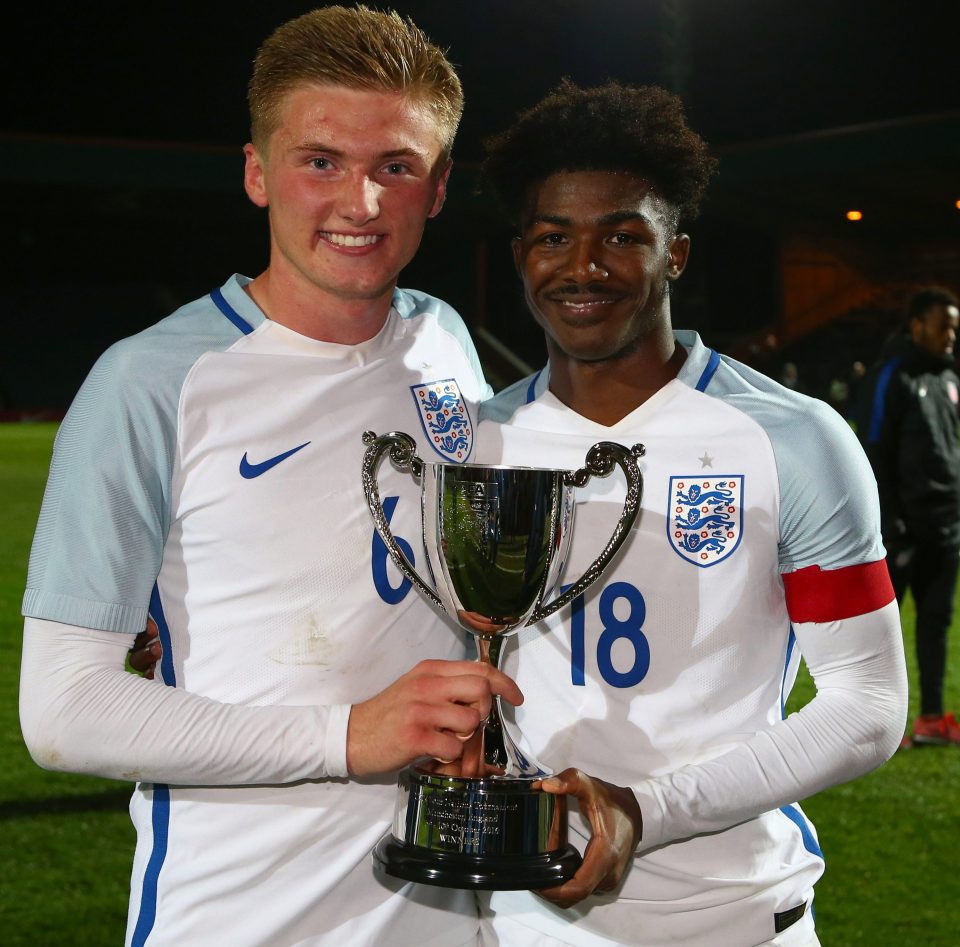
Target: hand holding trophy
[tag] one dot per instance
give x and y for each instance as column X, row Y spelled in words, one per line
column 496, row 541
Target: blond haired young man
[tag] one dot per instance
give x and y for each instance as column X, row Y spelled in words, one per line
column 209, row 472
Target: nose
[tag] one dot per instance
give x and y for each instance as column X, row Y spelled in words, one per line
column 582, row 262
column 359, row 200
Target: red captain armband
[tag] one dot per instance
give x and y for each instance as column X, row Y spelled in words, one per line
column 815, row 594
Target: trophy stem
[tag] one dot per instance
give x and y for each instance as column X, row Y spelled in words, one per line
column 500, row 753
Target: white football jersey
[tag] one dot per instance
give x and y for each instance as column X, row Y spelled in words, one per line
column 211, row 466
column 684, row 647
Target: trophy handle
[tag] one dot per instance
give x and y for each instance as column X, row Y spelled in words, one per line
column 403, row 453
column 599, row 462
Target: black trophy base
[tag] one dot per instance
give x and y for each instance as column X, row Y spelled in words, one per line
column 459, row 870
column 500, row 833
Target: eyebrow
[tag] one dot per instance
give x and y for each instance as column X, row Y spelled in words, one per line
column 615, row 217
column 337, row 153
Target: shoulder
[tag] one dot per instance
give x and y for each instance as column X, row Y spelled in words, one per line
column 412, row 303
column 504, row 405
column 829, row 513
column 795, row 423
column 164, row 352
column 142, row 375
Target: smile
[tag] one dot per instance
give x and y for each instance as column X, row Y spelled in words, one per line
column 583, row 303
column 586, row 304
column 350, row 240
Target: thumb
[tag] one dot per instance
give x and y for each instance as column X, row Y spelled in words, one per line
column 567, row 782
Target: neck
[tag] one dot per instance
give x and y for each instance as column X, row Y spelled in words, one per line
column 306, row 309
column 607, row 391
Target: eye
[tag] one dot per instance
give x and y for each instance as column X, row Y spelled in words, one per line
column 622, row 239
column 321, row 164
column 552, row 239
column 396, row 167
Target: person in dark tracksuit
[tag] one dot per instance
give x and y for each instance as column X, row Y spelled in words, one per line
column 910, row 429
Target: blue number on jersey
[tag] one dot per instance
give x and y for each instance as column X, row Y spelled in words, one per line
column 613, row 629
column 392, row 595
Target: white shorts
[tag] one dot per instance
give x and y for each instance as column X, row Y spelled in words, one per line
column 508, row 933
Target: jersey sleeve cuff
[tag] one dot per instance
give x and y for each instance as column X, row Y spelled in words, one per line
column 335, row 744
column 651, row 811
column 69, row 610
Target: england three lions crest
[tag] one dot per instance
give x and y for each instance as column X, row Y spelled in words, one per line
column 445, row 418
column 705, row 520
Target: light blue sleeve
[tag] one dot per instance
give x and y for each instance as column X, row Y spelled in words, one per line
column 829, row 509
column 409, row 302
column 106, row 510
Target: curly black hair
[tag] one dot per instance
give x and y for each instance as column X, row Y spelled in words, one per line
column 610, row 127
column 925, row 299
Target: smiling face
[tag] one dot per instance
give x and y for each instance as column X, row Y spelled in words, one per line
column 350, row 178
column 596, row 252
column 936, row 330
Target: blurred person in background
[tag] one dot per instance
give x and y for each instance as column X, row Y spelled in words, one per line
column 909, row 426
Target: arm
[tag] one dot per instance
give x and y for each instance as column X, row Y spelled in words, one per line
column 884, row 453
column 842, row 609
column 82, row 712
column 852, row 725
column 846, row 622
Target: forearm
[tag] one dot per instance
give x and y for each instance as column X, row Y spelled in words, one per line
column 853, row 724
column 82, row 712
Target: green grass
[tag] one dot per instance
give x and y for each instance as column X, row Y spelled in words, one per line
column 891, row 839
column 66, row 842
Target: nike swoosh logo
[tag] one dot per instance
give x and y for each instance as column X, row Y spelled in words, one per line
column 248, row 471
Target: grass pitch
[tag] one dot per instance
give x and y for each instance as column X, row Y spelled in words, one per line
column 890, row 839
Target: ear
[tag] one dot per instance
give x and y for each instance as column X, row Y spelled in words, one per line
column 679, row 253
column 441, row 194
column 516, row 248
column 254, row 173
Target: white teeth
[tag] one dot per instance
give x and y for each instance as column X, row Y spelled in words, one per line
column 594, row 302
column 348, row 240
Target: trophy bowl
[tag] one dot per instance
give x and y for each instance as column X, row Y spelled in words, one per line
column 496, row 540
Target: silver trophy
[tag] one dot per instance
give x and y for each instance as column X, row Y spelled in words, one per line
column 496, row 541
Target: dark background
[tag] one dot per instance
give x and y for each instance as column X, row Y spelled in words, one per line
column 121, row 164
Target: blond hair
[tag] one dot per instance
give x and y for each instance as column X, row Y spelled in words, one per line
column 358, row 48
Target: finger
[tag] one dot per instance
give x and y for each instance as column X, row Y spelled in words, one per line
column 451, row 716
column 496, row 682
column 580, row 886
column 151, row 646
column 443, row 747
column 471, row 761
column 596, row 874
column 145, row 658
column 470, row 765
column 570, row 782
column 150, row 633
column 501, row 684
column 142, row 641
column 598, row 871
column 450, row 694
column 146, row 649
